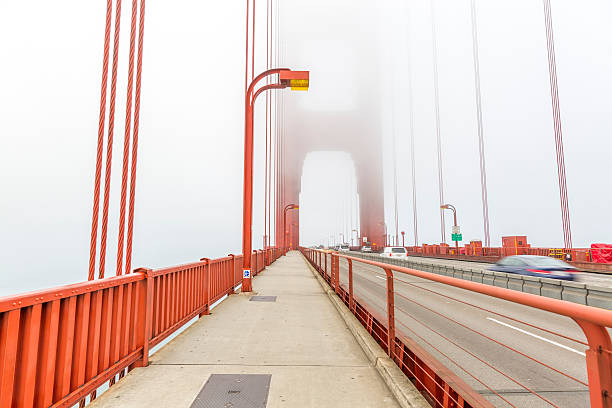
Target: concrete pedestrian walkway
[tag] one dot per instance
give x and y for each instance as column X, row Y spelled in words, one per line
column 300, row 340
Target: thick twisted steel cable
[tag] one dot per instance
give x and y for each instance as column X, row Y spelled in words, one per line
column 101, row 120
column 130, row 230
column 109, row 147
column 126, row 139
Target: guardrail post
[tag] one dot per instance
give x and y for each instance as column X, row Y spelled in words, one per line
column 206, row 285
column 350, row 277
column 390, row 313
column 144, row 316
column 599, row 364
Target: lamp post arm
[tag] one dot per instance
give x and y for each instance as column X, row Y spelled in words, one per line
column 261, row 76
column 265, row 88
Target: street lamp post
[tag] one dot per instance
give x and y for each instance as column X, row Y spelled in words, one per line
column 403, row 233
column 287, row 208
column 455, row 226
column 297, row 80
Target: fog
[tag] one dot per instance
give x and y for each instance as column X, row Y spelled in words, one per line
column 362, row 57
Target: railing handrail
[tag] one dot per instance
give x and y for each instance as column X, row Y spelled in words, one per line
column 61, row 344
column 26, row 299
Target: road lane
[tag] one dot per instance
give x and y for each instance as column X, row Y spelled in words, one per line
column 594, row 279
column 420, row 315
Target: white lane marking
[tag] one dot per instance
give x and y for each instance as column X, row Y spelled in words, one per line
column 537, row 337
column 381, row 277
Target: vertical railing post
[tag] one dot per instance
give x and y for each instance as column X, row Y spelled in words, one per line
column 350, row 277
column 337, row 271
column 144, row 316
column 206, row 286
column 325, row 266
column 232, row 274
column 390, row 313
column 599, row 364
column 332, row 273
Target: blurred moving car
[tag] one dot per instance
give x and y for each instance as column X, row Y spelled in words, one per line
column 538, row 266
column 344, row 248
column 394, row 252
column 366, row 248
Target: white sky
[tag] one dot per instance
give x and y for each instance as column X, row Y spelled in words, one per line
column 189, row 189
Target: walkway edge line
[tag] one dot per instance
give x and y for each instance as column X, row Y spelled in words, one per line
column 403, row 390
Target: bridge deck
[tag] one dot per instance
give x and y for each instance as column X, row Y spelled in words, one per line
column 300, row 340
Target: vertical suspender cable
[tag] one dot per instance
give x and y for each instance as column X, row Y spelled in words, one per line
column 126, row 138
column 267, row 112
column 102, row 117
column 269, row 108
column 109, row 147
column 246, row 51
column 130, row 231
column 393, row 152
column 412, row 153
column 554, row 92
column 277, row 217
column 253, row 44
column 437, row 112
column 483, row 172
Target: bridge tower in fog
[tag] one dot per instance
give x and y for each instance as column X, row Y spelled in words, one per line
column 351, row 122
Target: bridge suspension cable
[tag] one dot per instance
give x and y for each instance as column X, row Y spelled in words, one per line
column 101, row 122
column 109, row 146
column 554, row 93
column 110, row 137
column 411, row 135
column 437, row 114
column 483, row 172
column 126, row 140
column 130, row 231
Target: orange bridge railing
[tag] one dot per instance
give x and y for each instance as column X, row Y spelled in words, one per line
column 59, row 345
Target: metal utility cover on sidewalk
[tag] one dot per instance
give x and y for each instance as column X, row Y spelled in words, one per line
column 263, row 299
column 234, row 391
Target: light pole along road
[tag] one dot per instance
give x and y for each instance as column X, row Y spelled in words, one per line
column 456, row 234
column 298, row 81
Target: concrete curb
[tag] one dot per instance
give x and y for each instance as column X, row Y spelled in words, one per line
column 403, row 390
